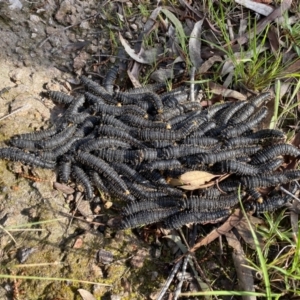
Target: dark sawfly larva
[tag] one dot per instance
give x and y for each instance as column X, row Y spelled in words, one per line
column 142, row 192
column 163, row 165
column 24, row 144
column 82, row 178
column 264, row 180
column 97, row 181
column 230, row 185
column 240, row 128
column 164, row 134
column 112, row 132
column 64, row 168
column 226, row 115
column 274, row 151
column 102, row 167
column 186, row 217
column 37, row 135
column 211, row 158
column 247, row 110
column 146, row 205
column 110, row 78
column 111, row 120
column 140, row 122
column 53, row 154
column 61, row 98
column 15, row 154
column 122, row 156
column 267, row 134
column 235, row 167
column 98, row 90
column 131, row 174
column 202, row 141
column 58, row 139
column 100, row 143
column 146, row 217
column 195, row 203
column 74, row 107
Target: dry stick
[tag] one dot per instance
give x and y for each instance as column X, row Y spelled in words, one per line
column 179, row 286
column 170, row 278
column 26, row 106
column 289, row 193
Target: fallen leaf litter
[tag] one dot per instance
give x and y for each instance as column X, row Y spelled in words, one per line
column 133, row 144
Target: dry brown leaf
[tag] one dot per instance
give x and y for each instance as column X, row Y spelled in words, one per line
column 292, row 68
column 209, row 63
column 137, row 57
column 162, row 75
column 196, row 177
column 231, row 222
column 196, row 187
column 148, row 27
column 273, row 39
column 244, row 274
column 133, row 76
column 294, row 217
column 220, row 90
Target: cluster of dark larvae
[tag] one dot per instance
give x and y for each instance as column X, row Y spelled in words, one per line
column 129, row 143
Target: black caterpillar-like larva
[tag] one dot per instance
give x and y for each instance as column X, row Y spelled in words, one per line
column 36, row 135
column 58, row 139
column 247, row 110
column 146, row 205
column 64, row 168
column 240, row 128
column 110, row 78
column 102, row 167
column 15, row 154
column 185, row 217
column 196, row 203
column 98, row 90
column 236, row 167
column 130, row 144
column 82, row 178
column 61, row 98
column 270, row 203
column 147, row 217
column 99, row 143
column 273, row 152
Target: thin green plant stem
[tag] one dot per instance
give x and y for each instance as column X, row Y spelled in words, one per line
column 261, row 258
column 226, row 293
column 9, row 234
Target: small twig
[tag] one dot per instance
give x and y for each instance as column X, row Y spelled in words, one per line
column 170, row 278
column 26, row 106
column 289, row 193
column 9, row 234
column 179, row 286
